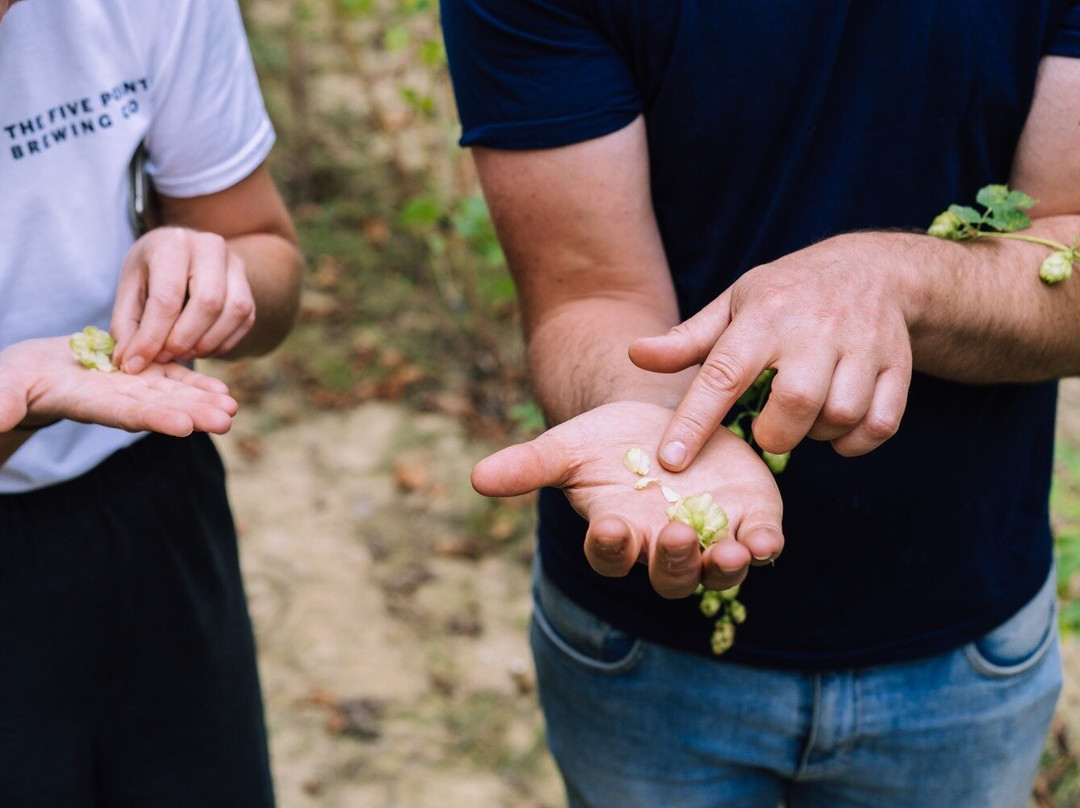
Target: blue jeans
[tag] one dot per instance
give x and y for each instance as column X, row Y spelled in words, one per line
column 637, row 725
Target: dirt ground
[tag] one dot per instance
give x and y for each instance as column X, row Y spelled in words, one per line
column 393, row 647
column 391, row 607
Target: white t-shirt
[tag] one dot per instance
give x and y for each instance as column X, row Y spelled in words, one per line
column 81, row 85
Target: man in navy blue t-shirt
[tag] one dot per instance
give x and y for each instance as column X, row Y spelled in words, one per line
column 764, row 174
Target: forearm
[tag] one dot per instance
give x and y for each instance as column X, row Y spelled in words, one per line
column 578, row 357
column 273, row 266
column 978, row 313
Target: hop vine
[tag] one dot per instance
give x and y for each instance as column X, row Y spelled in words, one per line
column 1005, row 213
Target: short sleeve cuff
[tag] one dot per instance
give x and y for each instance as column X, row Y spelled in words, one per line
column 551, row 133
column 224, row 175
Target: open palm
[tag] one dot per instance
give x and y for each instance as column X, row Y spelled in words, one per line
column 584, row 457
column 40, row 382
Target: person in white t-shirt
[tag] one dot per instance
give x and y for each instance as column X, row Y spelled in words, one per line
column 127, row 665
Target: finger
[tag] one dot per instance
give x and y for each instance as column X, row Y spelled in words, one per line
column 675, row 561
column 167, row 281
column 193, row 378
column 12, row 408
column 237, row 317
column 725, row 565
column 180, row 394
column 726, row 374
column 883, row 418
column 233, row 339
column 798, row 394
column 848, row 400
column 686, row 344
column 207, row 293
column 761, row 532
column 165, row 420
column 129, row 304
column 522, row 468
column 612, row 546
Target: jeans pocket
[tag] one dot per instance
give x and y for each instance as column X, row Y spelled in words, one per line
column 580, row 636
column 1018, row 644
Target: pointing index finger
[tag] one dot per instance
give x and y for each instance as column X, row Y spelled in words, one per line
column 725, row 375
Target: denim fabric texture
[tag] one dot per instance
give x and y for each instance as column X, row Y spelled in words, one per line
column 638, row 725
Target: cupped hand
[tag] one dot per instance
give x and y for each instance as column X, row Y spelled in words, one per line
column 182, row 294
column 830, row 319
column 584, row 457
column 40, row 382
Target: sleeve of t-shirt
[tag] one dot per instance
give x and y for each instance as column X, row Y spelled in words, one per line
column 209, row 128
column 531, row 74
column 1067, row 41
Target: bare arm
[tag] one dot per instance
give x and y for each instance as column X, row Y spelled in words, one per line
column 845, row 321
column 221, row 277
column 583, row 246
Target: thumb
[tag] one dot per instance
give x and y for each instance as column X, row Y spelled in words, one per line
column 522, row 468
column 12, row 408
column 686, row 344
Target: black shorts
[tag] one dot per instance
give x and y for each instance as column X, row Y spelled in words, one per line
column 127, row 661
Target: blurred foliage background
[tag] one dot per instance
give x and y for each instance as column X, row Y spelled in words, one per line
column 407, row 298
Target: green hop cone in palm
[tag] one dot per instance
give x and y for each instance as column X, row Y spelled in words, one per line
column 93, row 348
column 708, row 519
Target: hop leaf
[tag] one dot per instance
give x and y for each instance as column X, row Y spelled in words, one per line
column 965, row 214
column 93, row 348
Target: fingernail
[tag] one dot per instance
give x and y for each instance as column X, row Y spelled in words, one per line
column 134, row 365
column 674, row 454
column 763, row 558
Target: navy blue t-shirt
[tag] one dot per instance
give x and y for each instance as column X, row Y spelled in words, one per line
column 771, row 126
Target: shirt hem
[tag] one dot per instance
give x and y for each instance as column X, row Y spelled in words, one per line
column 551, row 133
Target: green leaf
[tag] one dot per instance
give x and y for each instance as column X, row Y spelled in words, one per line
column 992, row 196
column 356, row 7
column 1018, row 199
column 424, row 104
column 967, row 215
column 396, row 38
column 432, row 53
column 420, row 212
column 1007, row 220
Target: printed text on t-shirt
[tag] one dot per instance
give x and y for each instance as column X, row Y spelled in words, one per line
column 73, row 119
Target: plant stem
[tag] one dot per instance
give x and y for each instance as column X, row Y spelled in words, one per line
column 1054, row 245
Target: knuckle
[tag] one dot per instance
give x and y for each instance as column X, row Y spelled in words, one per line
column 798, row 401
column 881, row 427
column 841, row 414
column 167, row 299
column 240, row 308
column 207, row 302
column 721, row 375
